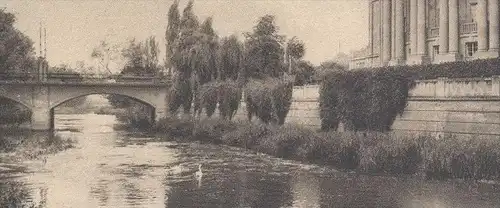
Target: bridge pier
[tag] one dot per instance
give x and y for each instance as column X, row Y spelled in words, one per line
column 160, row 113
column 42, row 119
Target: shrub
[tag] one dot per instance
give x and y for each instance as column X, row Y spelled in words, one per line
column 209, row 94
column 363, row 100
column 13, row 113
column 372, row 152
column 212, row 130
column 390, row 153
column 227, row 94
column 229, row 98
column 174, row 127
column 291, row 142
column 469, row 158
column 180, row 95
column 248, row 135
column 370, row 99
column 269, row 99
column 342, row 149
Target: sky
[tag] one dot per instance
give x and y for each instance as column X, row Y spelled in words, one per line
column 75, row 27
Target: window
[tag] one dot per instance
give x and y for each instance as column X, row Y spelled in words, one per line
column 467, row 10
column 470, row 48
column 433, row 13
column 435, row 51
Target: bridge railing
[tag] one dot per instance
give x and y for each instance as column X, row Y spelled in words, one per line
column 24, row 77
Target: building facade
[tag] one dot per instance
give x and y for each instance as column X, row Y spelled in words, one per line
column 429, row 31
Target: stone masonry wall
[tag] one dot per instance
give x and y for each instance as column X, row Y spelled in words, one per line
column 462, row 106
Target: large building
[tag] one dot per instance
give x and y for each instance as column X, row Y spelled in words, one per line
column 429, row 31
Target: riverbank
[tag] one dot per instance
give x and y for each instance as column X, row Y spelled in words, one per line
column 17, row 148
column 367, row 152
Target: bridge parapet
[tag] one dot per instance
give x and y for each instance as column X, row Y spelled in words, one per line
column 29, row 77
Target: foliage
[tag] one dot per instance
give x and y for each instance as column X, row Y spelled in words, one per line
column 295, row 50
column 141, row 58
column 229, row 98
column 269, row 99
column 209, row 97
column 264, row 50
column 15, row 194
column 16, row 49
column 137, row 116
column 458, row 69
column 230, row 58
column 105, row 53
column 370, row 99
column 224, row 94
column 173, row 127
column 367, row 152
column 12, row 112
column 304, row 73
column 363, row 100
column 194, row 59
column 211, row 130
column 180, row 95
column 173, row 27
column 183, row 55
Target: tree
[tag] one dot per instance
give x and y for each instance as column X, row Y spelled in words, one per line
column 16, row 49
column 264, row 53
column 172, row 33
column 230, row 58
column 141, row 58
column 295, row 50
column 105, row 53
column 183, row 60
column 304, row 73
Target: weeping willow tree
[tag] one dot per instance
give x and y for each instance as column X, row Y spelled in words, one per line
column 268, row 90
column 194, row 57
column 205, row 57
column 230, row 68
column 225, row 91
column 184, row 53
column 172, row 33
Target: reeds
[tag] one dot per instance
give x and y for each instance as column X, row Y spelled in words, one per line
column 369, row 152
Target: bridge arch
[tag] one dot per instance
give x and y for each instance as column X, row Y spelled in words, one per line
column 61, row 101
column 150, row 110
column 18, row 101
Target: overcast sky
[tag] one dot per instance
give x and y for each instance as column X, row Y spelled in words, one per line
column 75, row 27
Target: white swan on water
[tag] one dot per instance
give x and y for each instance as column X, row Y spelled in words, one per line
column 199, row 173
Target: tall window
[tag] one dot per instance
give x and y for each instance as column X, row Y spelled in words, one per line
column 406, row 14
column 467, row 10
column 435, row 51
column 377, row 26
column 433, row 13
column 470, row 48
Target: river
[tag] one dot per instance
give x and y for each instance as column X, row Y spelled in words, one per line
column 112, row 168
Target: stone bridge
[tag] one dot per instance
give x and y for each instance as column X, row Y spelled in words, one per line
column 42, row 97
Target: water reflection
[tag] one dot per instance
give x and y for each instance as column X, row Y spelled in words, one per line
column 306, row 191
column 111, row 168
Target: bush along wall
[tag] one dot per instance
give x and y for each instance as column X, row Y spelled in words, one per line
column 363, row 100
column 226, row 95
column 269, row 99
column 370, row 99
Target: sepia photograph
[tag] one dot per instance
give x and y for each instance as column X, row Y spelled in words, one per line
column 250, row 103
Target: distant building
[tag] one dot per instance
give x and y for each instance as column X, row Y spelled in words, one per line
column 429, row 31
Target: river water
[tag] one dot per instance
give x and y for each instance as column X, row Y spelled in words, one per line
column 111, row 168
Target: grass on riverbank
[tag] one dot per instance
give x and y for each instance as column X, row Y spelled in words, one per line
column 22, row 147
column 368, row 152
